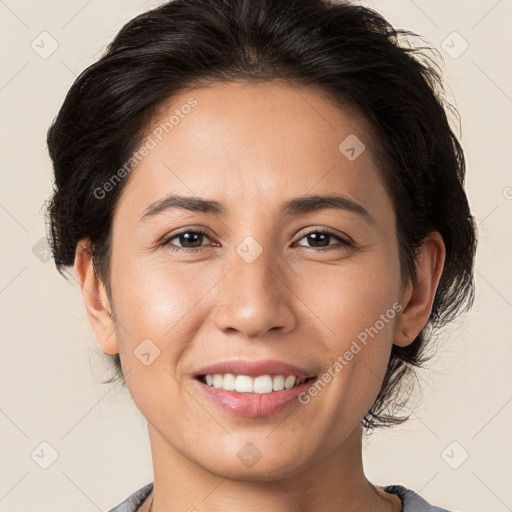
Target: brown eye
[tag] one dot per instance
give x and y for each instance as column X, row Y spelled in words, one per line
column 320, row 239
column 187, row 240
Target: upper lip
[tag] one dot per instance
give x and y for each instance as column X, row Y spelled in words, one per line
column 255, row 368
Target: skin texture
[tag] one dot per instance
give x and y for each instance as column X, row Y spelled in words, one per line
column 253, row 147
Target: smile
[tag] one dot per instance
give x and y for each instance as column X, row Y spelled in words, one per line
column 261, row 384
column 252, row 396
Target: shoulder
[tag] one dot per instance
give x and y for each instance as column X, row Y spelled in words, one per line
column 412, row 502
column 134, row 501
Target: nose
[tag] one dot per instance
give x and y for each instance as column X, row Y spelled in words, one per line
column 255, row 298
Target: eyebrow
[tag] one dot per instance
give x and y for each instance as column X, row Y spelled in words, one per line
column 304, row 204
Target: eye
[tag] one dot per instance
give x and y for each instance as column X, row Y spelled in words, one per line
column 322, row 237
column 189, row 240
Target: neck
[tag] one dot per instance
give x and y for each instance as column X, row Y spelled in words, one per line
column 337, row 482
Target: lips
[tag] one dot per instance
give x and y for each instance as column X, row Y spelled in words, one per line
column 255, row 368
column 254, row 404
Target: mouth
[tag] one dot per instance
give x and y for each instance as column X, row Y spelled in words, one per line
column 253, row 388
column 261, row 384
column 253, row 397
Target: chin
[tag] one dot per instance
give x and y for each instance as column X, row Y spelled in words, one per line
column 256, row 473
column 251, row 465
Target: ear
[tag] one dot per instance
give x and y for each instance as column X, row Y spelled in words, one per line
column 95, row 299
column 419, row 294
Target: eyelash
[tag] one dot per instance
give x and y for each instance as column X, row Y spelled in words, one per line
column 344, row 243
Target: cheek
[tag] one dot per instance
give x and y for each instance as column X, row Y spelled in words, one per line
column 352, row 295
column 357, row 305
column 162, row 302
column 152, row 295
column 156, row 309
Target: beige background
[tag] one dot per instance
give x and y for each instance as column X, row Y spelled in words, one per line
column 51, row 365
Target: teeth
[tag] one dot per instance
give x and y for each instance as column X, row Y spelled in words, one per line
column 278, row 383
column 262, row 384
column 229, row 382
column 289, row 382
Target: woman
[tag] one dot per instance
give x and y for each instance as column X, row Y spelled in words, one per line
column 264, row 205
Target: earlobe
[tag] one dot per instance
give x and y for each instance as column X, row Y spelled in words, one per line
column 419, row 295
column 95, row 299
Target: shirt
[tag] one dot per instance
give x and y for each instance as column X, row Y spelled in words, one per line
column 411, row 501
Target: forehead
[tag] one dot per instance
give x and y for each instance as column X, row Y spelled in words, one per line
column 239, row 141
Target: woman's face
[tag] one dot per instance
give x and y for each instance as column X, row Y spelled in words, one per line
column 255, row 287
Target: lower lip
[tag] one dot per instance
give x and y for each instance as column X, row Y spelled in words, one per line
column 253, row 405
